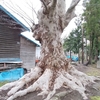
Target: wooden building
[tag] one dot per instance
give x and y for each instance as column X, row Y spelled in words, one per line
column 28, row 50
column 15, row 49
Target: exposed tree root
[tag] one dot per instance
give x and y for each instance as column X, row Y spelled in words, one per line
column 48, row 83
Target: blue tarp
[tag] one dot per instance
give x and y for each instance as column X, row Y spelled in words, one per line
column 12, row 75
column 74, row 58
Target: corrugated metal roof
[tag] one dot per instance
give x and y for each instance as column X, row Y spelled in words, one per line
column 14, row 18
column 28, row 35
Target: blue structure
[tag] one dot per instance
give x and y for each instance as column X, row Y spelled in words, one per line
column 11, row 75
column 74, row 58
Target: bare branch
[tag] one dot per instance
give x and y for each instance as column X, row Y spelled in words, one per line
column 18, row 13
column 70, row 14
column 73, row 5
column 31, row 7
column 24, row 13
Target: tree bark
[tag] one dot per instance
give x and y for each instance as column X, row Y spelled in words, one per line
column 49, row 30
column 52, row 54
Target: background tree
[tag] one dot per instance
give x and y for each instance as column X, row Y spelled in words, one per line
column 53, row 71
column 74, row 41
column 80, row 34
column 92, row 17
column 69, row 43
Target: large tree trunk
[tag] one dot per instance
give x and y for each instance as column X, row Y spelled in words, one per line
column 53, row 71
column 52, row 54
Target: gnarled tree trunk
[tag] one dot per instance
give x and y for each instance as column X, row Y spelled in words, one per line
column 53, row 71
column 52, row 54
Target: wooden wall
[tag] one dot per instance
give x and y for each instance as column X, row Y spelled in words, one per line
column 27, row 53
column 9, row 42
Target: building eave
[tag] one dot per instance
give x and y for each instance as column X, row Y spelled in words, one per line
column 31, row 40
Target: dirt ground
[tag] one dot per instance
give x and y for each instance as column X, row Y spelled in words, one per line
column 93, row 89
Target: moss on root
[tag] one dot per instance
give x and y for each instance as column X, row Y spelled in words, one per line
column 95, row 98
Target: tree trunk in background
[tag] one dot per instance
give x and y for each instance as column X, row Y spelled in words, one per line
column 70, row 55
column 90, row 51
column 78, row 57
column 82, row 46
column 91, row 56
column 86, row 52
column 96, row 49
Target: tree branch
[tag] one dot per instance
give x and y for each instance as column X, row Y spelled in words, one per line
column 53, row 4
column 23, row 16
column 46, row 8
column 73, row 5
column 48, row 5
column 70, row 14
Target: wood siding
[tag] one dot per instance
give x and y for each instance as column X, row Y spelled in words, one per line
column 9, row 42
column 27, row 53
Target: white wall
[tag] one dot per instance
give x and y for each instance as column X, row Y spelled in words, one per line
column 38, row 50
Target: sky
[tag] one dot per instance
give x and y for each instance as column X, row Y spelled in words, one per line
column 25, row 6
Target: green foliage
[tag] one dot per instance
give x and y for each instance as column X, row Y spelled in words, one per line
column 92, row 27
column 95, row 98
column 73, row 42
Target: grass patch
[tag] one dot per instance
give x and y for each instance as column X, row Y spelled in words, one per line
column 92, row 71
column 3, row 83
column 95, row 98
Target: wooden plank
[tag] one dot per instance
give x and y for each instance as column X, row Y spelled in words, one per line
column 9, row 42
column 10, row 60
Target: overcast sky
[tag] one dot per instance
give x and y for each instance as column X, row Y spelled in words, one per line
column 25, row 5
